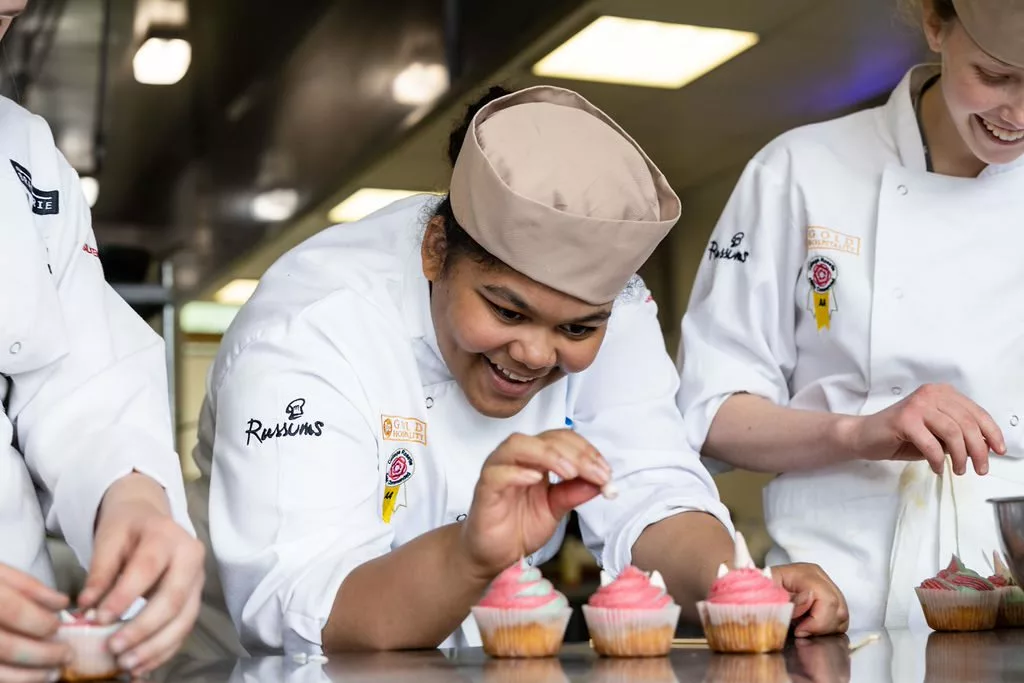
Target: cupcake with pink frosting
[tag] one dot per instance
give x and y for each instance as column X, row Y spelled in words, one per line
column 522, row 615
column 1011, row 596
column 959, row 599
column 632, row 615
column 745, row 611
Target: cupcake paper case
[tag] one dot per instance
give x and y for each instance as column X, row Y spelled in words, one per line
column 745, row 611
column 522, row 615
column 959, row 599
column 1011, row 596
column 91, row 658
column 632, row 615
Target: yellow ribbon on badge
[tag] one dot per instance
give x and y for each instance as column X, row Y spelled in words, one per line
column 390, row 499
column 822, row 310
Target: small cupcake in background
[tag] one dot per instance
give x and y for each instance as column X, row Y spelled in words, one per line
column 91, row 658
column 632, row 616
column 522, row 615
column 1011, row 596
column 959, row 599
column 746, row 611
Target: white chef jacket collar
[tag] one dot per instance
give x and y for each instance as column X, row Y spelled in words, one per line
column 416, row 309
column 902, row 122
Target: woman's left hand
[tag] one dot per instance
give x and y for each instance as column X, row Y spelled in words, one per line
column 140, row 551
column 819, row 606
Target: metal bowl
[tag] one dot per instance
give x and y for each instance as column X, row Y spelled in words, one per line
column 1010, row 522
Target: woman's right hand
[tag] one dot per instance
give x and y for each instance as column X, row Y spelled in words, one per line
column 28, row 621
column 934, row 420
column 515, row 508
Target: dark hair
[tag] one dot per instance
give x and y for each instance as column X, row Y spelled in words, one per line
column 457, row 240
column 945, row 9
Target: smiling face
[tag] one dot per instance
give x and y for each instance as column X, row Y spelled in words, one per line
column 503, row 335
column 984, row 96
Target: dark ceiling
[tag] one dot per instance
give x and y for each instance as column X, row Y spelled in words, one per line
column 278, row 95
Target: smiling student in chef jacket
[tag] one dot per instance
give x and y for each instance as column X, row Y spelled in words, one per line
column 89, row 452
column 387, row 415
column 857, row 317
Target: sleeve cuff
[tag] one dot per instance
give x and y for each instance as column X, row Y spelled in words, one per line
column 119, row 452
column 309, row 606
column 618, row 550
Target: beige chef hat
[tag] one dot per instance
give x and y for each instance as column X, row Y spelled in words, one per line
column 550, row 185
column 997, row 26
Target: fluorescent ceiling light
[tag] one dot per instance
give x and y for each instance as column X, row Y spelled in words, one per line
column 162, row 61
column 646, row 53
column 364, row 202
column 236, row 292
column 419, row 83
column 275, row 205
column 91, row 190
column 206, row 317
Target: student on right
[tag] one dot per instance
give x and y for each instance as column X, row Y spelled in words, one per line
column 857, row 324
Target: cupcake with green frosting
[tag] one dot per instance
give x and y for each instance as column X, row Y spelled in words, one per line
column 959, row 599
column 522, row 615
column 1011, row 596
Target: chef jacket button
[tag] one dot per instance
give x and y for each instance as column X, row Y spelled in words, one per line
column 460, row 518
column 429, row 402
column 529, row 560
column 902, row 189
column 15, row 347
column 1014, row 421
column 896, row 391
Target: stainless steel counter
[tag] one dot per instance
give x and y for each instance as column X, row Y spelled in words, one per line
column 897, row 657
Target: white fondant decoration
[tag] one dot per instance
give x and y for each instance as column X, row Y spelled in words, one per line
column 742, row 559
column 606, row 578
column 657, row 580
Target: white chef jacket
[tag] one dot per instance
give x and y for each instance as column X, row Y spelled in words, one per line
column 916, row 280
column 330, row 381
column 82, row 377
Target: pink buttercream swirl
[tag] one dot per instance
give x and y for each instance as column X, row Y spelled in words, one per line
column 632, row 590
column 522, row 587
column 747, row 587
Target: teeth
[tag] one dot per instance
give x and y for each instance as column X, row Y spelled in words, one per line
column 511, row 375
column 1002, row 133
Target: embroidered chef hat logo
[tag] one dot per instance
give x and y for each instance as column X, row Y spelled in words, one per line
column 400, row 468
column 294, row 409
column 388, row 427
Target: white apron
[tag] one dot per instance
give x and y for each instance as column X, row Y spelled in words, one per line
column 939, row 516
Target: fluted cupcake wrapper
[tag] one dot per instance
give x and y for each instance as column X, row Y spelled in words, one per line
column 91, row 658
column 632, row 632
column 521, row 633
column 959, row 610
column 1011, row 607
column 745, row 628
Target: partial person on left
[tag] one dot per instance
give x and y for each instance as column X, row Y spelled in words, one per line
column 88, row 452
